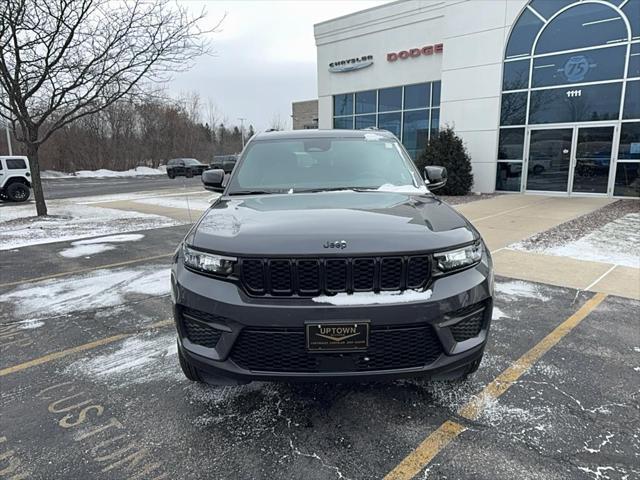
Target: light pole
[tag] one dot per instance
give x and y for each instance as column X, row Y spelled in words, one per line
column 242, row 119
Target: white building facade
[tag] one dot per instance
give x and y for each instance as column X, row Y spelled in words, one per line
column 544, row 93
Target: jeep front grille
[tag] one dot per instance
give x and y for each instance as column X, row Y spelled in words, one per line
column 315, row 276
column 284, row 350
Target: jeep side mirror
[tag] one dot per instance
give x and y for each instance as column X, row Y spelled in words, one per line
column 436, row 176
column 213, row 179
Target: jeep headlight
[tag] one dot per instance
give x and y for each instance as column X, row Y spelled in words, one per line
column 207, row 262
column 457, row 259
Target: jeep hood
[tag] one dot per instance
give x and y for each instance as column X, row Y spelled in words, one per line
column 302, row 223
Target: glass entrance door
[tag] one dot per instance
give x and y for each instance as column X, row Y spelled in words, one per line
column 549, row 160
column 593, row 159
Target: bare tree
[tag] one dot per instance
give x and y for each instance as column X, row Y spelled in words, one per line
column 277, row 123
column 64, row 59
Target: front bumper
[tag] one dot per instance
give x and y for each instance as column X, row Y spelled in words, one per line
column 228, row 323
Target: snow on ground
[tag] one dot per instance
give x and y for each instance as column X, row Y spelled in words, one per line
column 370, row 298
column 19, row 228
column 92, row 246
column 87, row 292
column 186, row 202
column 139, row 359
column 103, row 173
column 617, row 242
column 498, row 314
column 520, row 289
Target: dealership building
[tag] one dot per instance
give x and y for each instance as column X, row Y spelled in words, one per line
column 544, row 93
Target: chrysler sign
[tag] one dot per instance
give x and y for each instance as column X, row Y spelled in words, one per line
column 415, row 52
column 351, row 64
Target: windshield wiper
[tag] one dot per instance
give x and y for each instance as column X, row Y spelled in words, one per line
column 330, row 189
column 251, row 192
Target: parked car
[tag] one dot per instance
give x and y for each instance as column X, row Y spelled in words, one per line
column 185, row 166
column 224, row 162
column 327, row 257
column 15, row 179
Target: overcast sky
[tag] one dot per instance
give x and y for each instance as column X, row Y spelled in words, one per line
column 265, row 56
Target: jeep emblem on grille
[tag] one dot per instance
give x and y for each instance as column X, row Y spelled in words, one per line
column 341, row 244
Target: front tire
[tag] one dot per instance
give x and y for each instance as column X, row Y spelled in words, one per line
column 18, row 192
column 171, row 175
column 189, row 370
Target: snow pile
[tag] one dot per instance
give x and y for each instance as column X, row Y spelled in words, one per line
column 520, row 289
column 92, row 246
column 370, row 298
column 388, row 187
column 18, row 227
column 104, row 173
column 88, row 292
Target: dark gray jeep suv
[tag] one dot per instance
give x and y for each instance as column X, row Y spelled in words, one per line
column 327, row 258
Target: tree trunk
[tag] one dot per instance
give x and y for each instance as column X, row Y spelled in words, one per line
column 36, row 182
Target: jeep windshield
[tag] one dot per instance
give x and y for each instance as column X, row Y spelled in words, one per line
column 324, row 164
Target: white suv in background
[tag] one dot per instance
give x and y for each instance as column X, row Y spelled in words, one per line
column 15, row 179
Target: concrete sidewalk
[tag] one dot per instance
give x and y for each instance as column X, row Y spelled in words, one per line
column 507, row 219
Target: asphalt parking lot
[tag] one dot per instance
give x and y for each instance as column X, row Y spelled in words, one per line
column 90, row 388
column 73, row 187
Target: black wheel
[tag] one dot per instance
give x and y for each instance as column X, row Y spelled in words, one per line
column 189, row 370
column 18, row 192
column 171, row 175
column 188, row 173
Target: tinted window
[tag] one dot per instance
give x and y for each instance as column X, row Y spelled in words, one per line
column 627, row 179
column 417, row 96
column 364, row 121
column 513, row 109
column 629, row 148
column 16, row 164
column 390, row 99
column 523, row 34
column 323, row 163
column 343, row 104
column 435, row 121
column 585, row 25
column 516, row 75
column 580, row 104
column 632, row 100
column 634, row 61
column 435, row 95
column 588, row 66
column 391, row 122
column 366, row 102
column 593, row 157
column 192, row 161
column 343, row 123
column 416, row 131
column 508, row 176
column 632, row 11
column 511, row 144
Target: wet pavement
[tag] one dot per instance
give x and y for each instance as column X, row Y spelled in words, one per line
column 90, row 387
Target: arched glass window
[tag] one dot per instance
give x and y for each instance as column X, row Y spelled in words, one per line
column 581, row 26
column 569, row 62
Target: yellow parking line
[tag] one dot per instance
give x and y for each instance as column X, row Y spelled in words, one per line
column 84, row 270
column 448, row 431
column 80, row 348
